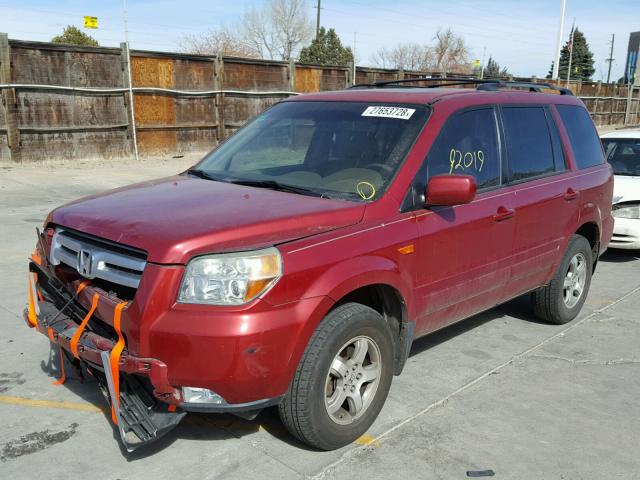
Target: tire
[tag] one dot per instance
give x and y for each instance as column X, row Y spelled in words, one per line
column 559, row 305
column 312, row 410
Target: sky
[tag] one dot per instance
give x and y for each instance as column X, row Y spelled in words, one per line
column 520, row 35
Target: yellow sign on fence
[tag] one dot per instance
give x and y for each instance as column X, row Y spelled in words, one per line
column 90, row 22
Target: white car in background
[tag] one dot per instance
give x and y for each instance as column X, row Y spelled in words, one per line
column 622, row 149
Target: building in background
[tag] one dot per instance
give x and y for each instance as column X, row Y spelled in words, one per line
column 631, row 69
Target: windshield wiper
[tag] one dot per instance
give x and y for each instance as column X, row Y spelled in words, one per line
column 202, row 174
column 273, row 185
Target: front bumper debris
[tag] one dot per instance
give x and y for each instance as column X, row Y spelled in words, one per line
column 145, row 407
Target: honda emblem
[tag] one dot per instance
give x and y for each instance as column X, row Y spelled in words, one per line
column 85, row 261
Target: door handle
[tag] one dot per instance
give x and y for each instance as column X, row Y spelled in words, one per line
column 570, row 194
column 503, row 213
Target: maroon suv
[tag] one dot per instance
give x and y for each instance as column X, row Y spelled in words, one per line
column 297, row 262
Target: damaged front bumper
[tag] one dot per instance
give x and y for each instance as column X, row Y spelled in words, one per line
column 145, row 406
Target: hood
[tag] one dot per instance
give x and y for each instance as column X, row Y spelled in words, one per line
column 175, row 218
column 626, row 189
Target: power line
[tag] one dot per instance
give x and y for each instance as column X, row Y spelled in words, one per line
column 422, row 27
column 458, row 23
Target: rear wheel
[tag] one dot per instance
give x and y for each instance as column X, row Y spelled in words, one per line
column 561, row 300
column 342, row 380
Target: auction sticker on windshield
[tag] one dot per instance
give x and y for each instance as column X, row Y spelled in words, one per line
column 401, row 113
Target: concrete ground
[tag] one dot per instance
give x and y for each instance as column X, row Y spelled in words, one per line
column 498, row 391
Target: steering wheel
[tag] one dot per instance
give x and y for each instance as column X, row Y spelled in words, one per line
column 381, row 168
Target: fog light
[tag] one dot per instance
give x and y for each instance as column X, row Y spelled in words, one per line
column 201, row 395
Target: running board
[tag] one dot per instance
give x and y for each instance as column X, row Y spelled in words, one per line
column 141, row 418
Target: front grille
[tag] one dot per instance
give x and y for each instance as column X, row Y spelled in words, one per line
column 94, row 258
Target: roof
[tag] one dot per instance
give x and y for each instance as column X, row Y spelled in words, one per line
column 426, row 96
column 622, row 134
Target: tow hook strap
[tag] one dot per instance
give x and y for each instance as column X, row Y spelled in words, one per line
column 76, row 336
column 114, row 361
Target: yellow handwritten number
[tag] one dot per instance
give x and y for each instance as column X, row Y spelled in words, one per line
column 458, row 160
column 362, row 193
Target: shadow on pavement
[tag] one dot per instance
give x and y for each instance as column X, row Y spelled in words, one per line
column 614, row 255
column 195, row 426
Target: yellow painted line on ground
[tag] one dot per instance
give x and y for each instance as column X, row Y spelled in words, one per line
column 367, row 441
column 364, row 440
column 28, row 402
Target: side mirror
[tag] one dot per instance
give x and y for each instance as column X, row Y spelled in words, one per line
column 450, row 190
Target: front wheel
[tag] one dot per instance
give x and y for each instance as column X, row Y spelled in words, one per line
column 342, row 380
column 561, row 300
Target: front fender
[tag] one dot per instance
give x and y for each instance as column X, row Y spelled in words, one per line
column 342, row 278
column 351, row 274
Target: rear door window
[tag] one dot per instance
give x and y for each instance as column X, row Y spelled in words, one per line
column 582, row 135
column 529, row 142
column 468, row 145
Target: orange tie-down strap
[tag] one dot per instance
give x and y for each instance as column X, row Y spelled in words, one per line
column 73, row 344
column 114, row 357
column 32, row 315
column 63, row 377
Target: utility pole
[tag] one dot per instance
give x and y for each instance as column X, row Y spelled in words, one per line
column 484, row 52
column 556, row 64
column 610, row 59
column 353, row 77
column 318, row 21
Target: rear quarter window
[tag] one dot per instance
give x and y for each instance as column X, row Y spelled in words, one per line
column 582, row 135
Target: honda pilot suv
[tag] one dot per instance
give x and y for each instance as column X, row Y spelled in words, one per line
column 297, row 262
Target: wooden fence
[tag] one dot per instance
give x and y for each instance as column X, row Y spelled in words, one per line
column 71, row 102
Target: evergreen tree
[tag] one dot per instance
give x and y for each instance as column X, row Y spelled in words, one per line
column 581, row 60
column 74, row 36
column 327, row 49
column 493, row 69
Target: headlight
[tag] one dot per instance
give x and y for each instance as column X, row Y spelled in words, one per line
column 230, row 278
column 626, row 211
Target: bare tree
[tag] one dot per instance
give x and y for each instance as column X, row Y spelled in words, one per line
column 278, row 29
column 406, row 56
column 258, row 31
column 449, row 54
column 292, row 25
column 214, row 42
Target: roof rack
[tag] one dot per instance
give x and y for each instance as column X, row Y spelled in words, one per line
column 490, row 85
column 495, row 85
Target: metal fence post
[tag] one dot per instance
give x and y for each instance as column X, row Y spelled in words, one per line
column 627, row 110
column 127, row 98
column 292, row 75
column 218, row 82
column 9, row 101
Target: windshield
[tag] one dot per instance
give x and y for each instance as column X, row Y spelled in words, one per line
column 330, row 149
column 623, row 154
